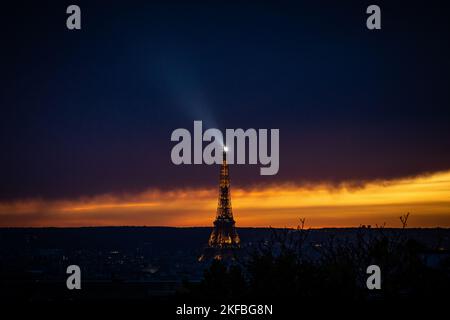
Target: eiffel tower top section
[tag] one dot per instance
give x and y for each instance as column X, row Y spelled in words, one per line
column 224, row 210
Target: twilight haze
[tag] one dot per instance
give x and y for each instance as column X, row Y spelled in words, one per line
column 86, row 116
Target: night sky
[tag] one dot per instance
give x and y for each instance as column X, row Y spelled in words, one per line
column 90, row 112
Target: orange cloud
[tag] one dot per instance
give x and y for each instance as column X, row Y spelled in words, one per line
column 427, row 198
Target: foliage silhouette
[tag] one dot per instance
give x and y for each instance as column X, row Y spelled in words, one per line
column 287, row 265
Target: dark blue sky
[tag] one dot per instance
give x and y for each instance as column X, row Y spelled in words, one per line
column 91, row 111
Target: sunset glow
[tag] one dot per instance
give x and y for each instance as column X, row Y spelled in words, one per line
column 427, row 198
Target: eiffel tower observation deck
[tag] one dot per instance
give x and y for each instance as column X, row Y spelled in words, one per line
column 224, row 239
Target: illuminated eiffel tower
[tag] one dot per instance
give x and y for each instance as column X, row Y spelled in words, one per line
column 224, row 239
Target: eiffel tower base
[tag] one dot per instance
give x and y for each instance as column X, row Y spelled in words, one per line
column 223, row 254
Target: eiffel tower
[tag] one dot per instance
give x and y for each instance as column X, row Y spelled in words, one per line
column 224, row 239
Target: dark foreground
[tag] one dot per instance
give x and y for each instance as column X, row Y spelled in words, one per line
column 156, row 269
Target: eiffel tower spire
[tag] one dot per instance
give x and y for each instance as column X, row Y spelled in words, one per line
column 223, row 237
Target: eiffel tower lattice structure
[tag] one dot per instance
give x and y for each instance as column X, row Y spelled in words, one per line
column 224, row 239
